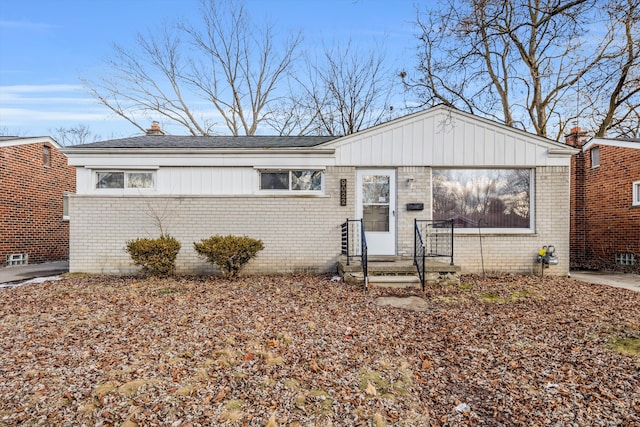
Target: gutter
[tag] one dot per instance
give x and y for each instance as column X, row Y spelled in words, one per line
column 562, row 152
column 197, row 151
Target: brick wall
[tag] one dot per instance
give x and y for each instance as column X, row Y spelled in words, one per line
column 416, row 191
column 301, row 233
column 611, row 223
column 517, row 253
column 500, row 252
column 576, row 139
column 31, row 203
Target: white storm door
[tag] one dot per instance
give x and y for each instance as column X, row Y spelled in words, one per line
column 376, row 205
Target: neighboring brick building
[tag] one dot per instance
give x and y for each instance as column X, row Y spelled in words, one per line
column 605, row 203
column 34, row 178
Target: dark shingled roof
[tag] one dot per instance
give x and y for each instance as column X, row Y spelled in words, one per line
column 178, row 141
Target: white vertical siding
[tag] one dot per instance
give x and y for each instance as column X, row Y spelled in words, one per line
column 440, row 137
column 207, row 181
column 84, row 181
column 188, row 181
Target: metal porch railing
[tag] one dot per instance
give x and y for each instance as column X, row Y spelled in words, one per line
column 432, row 239
column 354, row 245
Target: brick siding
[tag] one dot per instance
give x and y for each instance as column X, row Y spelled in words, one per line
column 31, row 203
column 604, row 222
column 300, row 233
column 516, row 253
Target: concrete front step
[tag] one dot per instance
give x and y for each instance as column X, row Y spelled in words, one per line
column 398, row 282
column 397, row 272
column 394, row 266
column 391, row 268
column 395, row 281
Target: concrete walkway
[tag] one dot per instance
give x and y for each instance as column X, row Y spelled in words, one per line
column 618, row 280
column 20, row 273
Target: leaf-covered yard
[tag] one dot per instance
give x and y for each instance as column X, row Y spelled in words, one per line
column 306, row 351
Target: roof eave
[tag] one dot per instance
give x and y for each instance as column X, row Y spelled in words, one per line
column 562, row 152
column 10, row 142
column 621, row 143
column 197, row 151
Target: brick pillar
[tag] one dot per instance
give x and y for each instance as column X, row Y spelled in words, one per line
column 578, row 218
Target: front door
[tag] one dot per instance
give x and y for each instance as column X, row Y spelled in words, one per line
column 376, row 205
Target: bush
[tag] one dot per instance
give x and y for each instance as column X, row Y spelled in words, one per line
column 229, row 253
column 156, row 256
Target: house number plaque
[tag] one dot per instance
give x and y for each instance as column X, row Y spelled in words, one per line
column 343, row 192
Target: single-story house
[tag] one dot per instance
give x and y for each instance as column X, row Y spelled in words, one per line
column 605, row 202
column 34, row 182
column 510, row 188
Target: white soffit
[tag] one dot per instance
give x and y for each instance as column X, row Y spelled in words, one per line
column 11, row 142
column 300, row 158
column 621, row 143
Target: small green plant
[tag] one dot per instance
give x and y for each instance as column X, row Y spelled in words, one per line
column 157, row 257
column 230, row 253
column 627, row 346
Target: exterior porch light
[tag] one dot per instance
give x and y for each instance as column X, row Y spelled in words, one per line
column 410, row 182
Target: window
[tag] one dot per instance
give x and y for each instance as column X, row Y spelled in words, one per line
column 636, row 193
column 17, row 259
column 46, row 156
column 626, row 258
column 487, row 198
column 65, row 207
column 595, row 157
column 122, row 180
column 294, row 180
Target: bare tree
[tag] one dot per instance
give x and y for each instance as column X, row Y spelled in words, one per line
column 293, row 115
column 619, row 79
column 347, row 89
column 227, row 61
column 5, row 131
column 79, row 134
column 521, row 62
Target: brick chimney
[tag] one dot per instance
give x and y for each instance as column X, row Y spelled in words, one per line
column 155, row 129
column 576, row 137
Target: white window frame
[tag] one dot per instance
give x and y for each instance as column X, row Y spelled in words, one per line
column 496, row 230
column 595, row 157
column 635, row 194
column 46, row 156
column 65, row 206
column 126, row 188
column 291, row 191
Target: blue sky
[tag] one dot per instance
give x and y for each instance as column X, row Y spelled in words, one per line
column 46, row 45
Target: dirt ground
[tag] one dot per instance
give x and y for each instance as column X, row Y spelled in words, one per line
column 307, row 351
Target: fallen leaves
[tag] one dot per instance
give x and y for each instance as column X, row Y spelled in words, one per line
column 371, row 390
column 303, row 350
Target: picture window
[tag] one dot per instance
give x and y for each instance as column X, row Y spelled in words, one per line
column 487, row 198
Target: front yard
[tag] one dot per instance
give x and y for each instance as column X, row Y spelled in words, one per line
column 306, row 351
